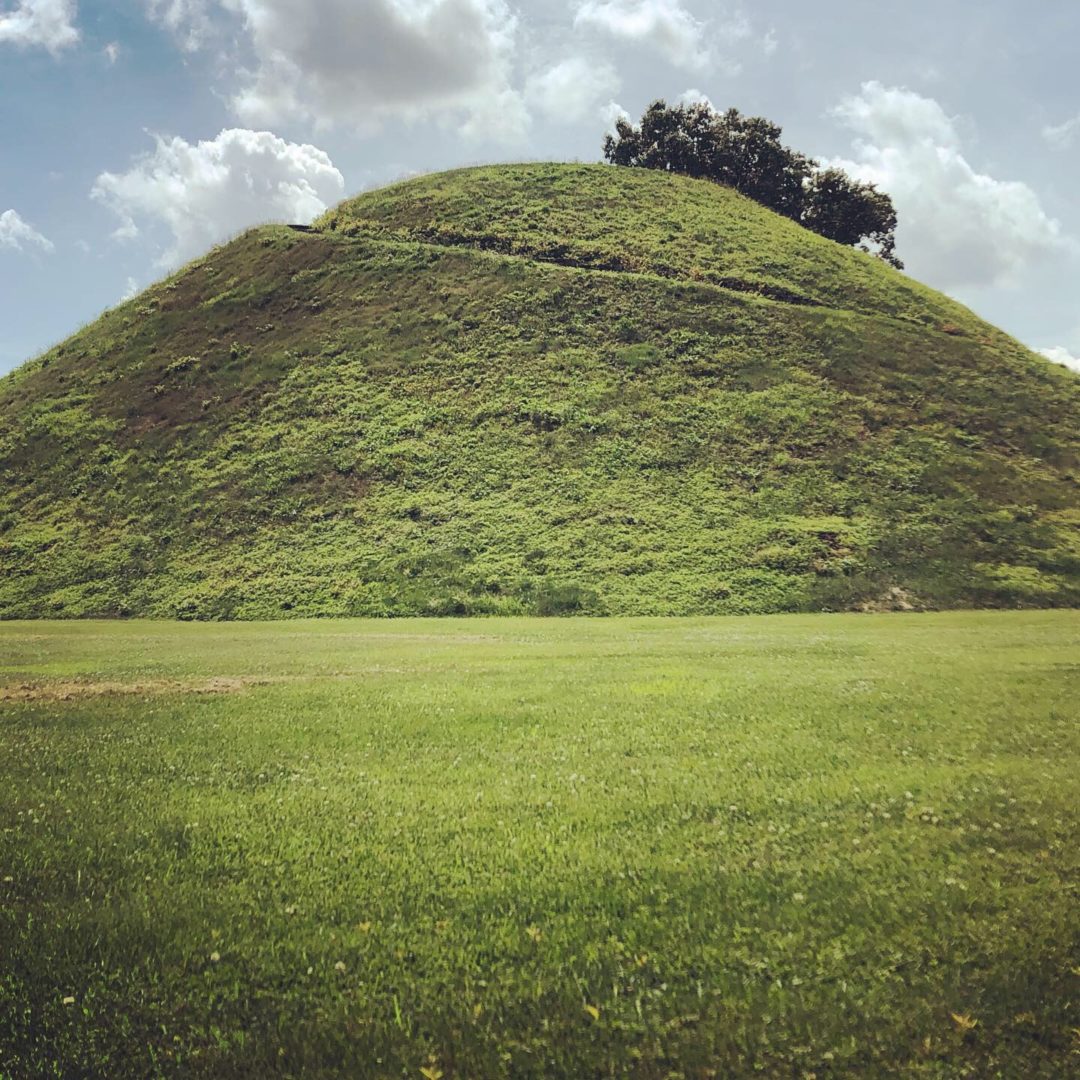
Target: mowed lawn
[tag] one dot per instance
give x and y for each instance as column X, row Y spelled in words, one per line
column 785, row 846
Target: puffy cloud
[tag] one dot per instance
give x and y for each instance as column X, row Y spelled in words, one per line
column 358, row 63
column 18, row 235
column 111, row 52
column 694, row 96
column 205, row 192
column 1061, row 355
column 572, row 89
column 190, row 21
column 671, row 29
column 1062, row 135
column 500, row 116
column 611, row 113
column 664, row 24
column 958, row 227
column 45, row 23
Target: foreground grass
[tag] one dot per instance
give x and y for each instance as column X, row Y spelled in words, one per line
column 788, row 846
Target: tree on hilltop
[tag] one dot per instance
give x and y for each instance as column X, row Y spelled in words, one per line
column 851, row 212
column 745, row 152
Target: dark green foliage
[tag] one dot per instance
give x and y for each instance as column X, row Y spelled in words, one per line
column 444, row 400
column 745, row 152
column 850, row 212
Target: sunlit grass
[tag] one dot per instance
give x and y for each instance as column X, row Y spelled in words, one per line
column 786, row 846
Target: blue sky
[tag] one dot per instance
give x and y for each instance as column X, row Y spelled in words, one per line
column 136, row 133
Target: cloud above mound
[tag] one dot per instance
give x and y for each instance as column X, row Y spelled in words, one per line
column 48, row 24
column 18, row 235
column 958, row 227
column 205, row 192
column 665, row 25
column 358, row 63
column 672, row 30
column 572, row 89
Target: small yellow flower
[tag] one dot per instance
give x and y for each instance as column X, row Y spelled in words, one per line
column 215, row 956
column 69, row 1001
column 593, row 1011
column 964, row 1022
column 534, row 932
column 340, row 965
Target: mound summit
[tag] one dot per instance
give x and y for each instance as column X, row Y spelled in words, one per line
column 537, row 389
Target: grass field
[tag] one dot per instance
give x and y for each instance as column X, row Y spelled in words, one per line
column 790, row 846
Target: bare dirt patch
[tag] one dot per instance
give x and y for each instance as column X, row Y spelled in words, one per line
column 894, row 599
column 72, row 690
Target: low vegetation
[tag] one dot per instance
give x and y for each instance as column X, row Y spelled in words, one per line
column 799, row 846
column 537, row 389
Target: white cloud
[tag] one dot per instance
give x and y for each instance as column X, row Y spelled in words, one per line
column 189, row 20
column 18, row 235
column 572, row 89
column 958, row 227
column 131, row 289
column 1061, row 355
column 672, row 30
column 1062, row 135
column 45, row 23
column 664, row 24
column 500, row 116
column 111, row 52
column 611, row 113
column 204, row 193
column 694, row 97
column 359, row 63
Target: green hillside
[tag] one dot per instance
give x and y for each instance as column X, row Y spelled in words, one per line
column 543, row 388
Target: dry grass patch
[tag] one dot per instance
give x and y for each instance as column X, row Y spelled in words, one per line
column 70, row 690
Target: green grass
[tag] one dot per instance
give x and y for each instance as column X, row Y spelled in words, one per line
column 788, row 846
column 646, row 222
column 532, row 390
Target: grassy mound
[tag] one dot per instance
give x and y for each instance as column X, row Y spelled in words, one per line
column 537, row 389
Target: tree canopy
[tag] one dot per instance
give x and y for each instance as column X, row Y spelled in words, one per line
column 745, row 152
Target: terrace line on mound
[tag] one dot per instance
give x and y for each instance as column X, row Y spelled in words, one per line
column 540, row 388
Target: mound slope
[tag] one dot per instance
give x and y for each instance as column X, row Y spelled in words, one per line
column 544, row 388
